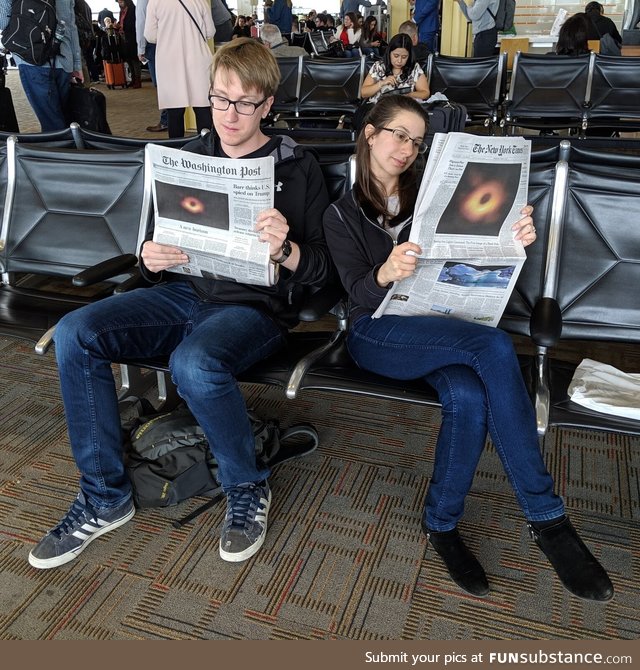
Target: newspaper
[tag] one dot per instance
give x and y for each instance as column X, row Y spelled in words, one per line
column 207, row 207
column 472, row 192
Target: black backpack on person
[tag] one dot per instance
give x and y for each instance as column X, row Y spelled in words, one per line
column 30, row 33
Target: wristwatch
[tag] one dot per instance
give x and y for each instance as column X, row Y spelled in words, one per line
column 286, row 252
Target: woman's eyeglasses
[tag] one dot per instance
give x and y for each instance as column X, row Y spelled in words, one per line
column 402, row 138
column 244, row 107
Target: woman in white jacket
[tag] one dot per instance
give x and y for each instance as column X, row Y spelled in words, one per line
column 183, row 58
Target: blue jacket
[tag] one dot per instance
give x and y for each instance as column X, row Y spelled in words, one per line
column 426, row 17
column 281, row 16
column 69, row 59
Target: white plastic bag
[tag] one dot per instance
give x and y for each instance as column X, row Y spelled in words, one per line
column 603, row 388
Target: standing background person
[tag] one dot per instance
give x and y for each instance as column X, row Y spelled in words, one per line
column 183, row 58
column 281, row 15
column 483, row 26
column 347, row 6
column 147, row 51
column 126, row 26
column 46, row 86
column 222, row 20
column 426, row 17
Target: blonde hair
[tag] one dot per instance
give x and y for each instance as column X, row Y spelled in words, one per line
column 252, row 62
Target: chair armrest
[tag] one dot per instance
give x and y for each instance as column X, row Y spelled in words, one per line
column 319, row 303
column 136, row 280
column 546, row 322
column 108, row 269
column 303, row 365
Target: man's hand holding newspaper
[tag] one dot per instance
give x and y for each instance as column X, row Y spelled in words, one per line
column 214, row 217
column 465, row 250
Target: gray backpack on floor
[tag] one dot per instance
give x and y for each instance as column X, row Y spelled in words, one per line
column 168, row 459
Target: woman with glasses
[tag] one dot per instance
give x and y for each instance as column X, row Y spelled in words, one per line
column 473, row 367
column 183, row 58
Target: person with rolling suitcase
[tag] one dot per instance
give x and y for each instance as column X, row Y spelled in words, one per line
column 114, row 73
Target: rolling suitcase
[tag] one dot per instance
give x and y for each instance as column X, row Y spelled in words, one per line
column 446, row 117
column 114, row 75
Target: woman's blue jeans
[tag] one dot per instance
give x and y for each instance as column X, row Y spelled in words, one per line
column 209, row 344
column 475, row 371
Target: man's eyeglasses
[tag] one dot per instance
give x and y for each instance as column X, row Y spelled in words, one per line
column 402, row 138
column 244, row 107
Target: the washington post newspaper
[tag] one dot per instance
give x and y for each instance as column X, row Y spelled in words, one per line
column 472, row 192
column 207, row 207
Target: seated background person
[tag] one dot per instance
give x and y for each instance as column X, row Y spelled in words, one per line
column 371, row 41
column 241, row 29
column 599, row 24
column 349, row 34
column 572, row 38
column 397, row 70
column 280, row 48
column 420, row 51
column 212, row 329
column 473, row 367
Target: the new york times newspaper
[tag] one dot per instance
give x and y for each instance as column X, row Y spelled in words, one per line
column 207, row 207
column 471, row 194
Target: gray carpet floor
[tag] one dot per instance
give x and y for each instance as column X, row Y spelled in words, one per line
column 344, row 557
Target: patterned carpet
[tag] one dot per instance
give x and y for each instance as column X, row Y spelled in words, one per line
column 344, row 557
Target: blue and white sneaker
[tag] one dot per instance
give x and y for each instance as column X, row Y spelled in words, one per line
column 80, row 526
column 245, row 525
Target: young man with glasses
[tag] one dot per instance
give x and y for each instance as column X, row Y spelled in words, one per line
column 212, row 329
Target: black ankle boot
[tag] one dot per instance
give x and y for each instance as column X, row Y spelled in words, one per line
column 463, row 566
column 576, row 567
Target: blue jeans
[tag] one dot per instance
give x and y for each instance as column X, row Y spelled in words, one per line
column 150, row 55
column 209, row 344
column 475, row 371
column 47, row 90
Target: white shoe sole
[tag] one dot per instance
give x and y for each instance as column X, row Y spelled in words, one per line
column 46, row 563
column 240, row 556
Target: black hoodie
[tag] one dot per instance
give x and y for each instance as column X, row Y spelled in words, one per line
column 301, row 196
column 359, row 246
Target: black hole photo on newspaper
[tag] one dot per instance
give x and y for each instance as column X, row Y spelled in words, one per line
column 193, row 205
column 482, row 199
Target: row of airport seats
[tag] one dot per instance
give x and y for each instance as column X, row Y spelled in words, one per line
column 81, row 214
column 72, row 200
column 545, row 92
column 584, row 93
